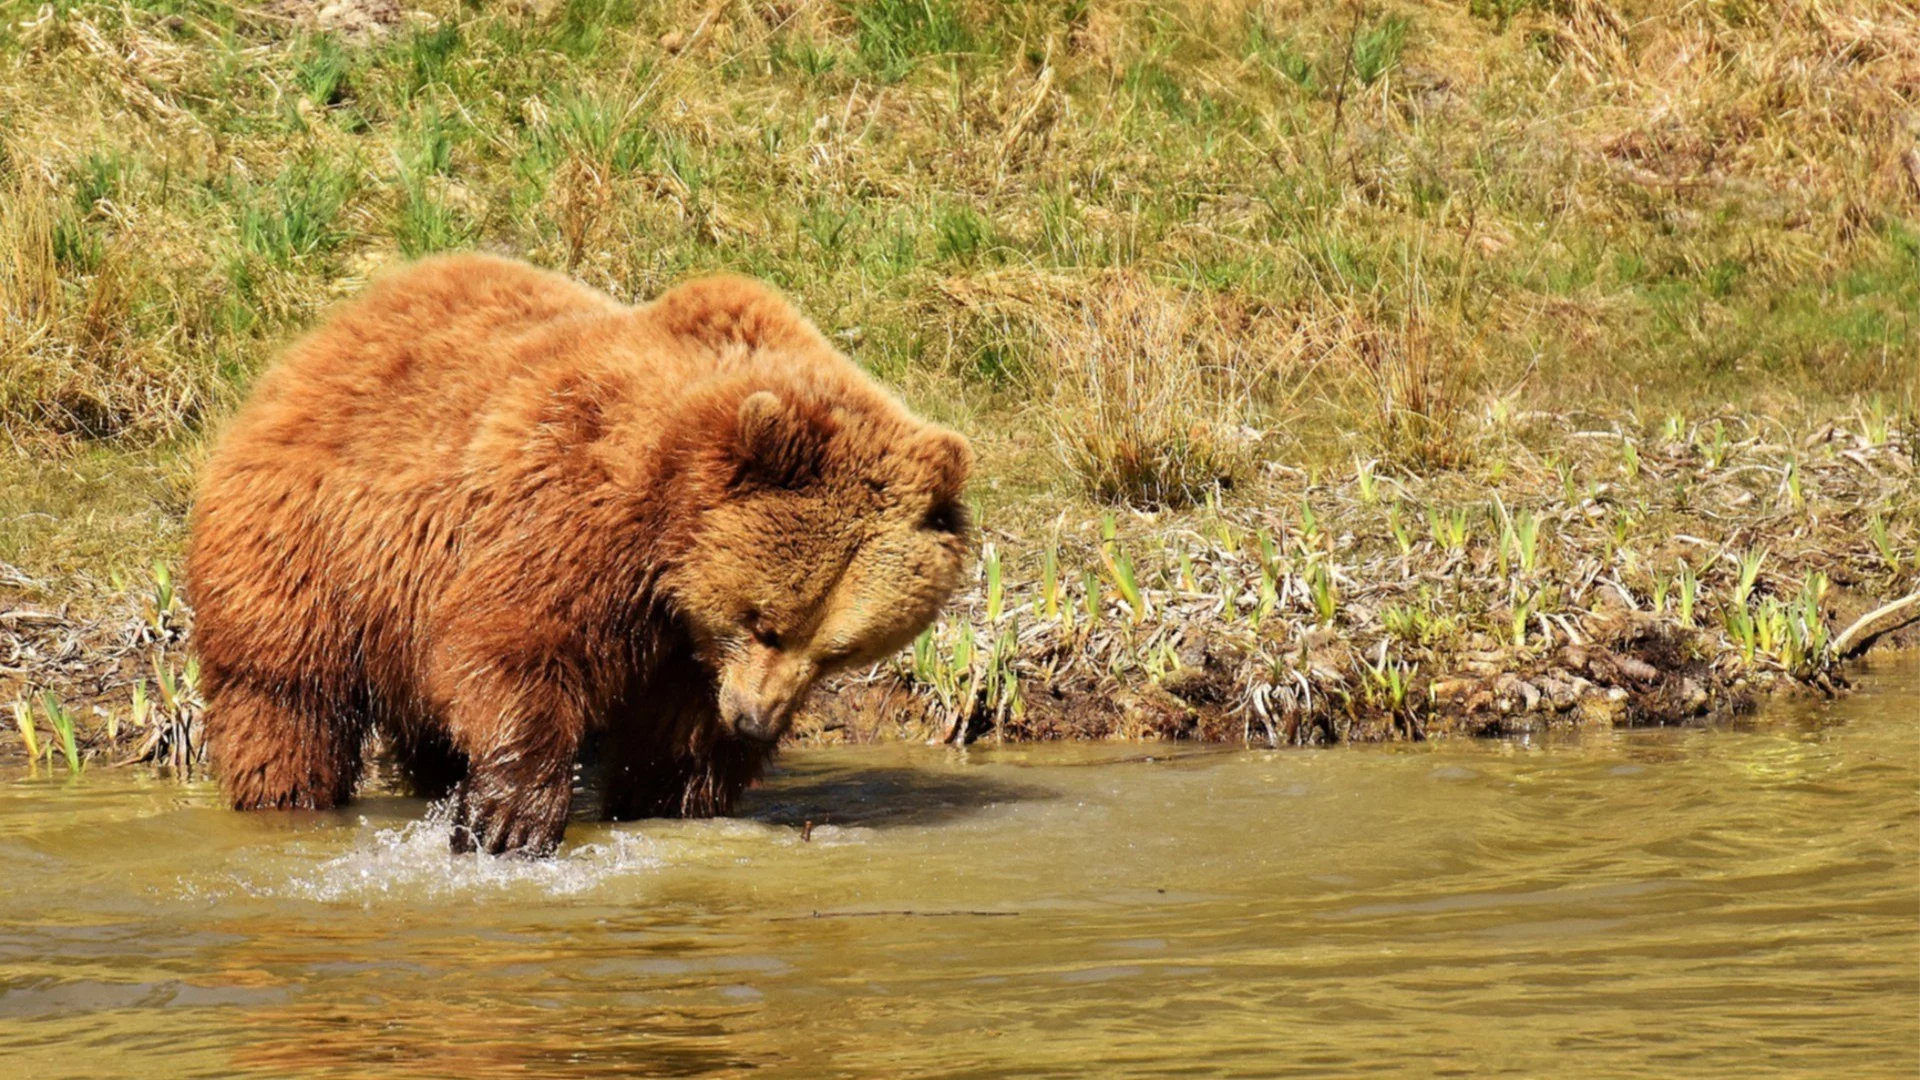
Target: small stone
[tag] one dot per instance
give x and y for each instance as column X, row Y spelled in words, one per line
column 1560, row 690
column 1695, row 696
column 1529, row 694
column 1598, row 709
column 1516, row 693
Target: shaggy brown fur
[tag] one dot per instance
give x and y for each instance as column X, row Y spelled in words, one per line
column 488, row 510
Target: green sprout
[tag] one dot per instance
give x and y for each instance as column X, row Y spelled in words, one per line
column 1120, row 567
column 963, row 649
column 1309, row 525
column 996, row 592
column 1876, row 422
column 1269, row 599
column 1622, row 527
column 1883, row 542
column 1392, row 680
column 1269, row 551
column 62, row 723
column 1526, row 535
column 1326, row 600
column 1522, row 610
column 1050, row 583
column 1368, row 482
column 1001, row 683
column 1806, row 648
column 23, row 719
column 1401, row 537
column 1450, row 532
column 1750, row 563
column 163, row 600
column 1741, row 627
column 1769, row 625
column 1717, row 449
column 1520, row 535
column 1223, row 533
column 1689, row 585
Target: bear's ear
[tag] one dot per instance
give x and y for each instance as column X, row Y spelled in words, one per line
column 773, row 443
column 943, row 460
column 728, row 310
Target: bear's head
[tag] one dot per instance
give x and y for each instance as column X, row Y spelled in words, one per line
column 831, row 532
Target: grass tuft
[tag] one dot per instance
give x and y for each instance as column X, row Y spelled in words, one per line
column 894, row 36
column 1151, row 395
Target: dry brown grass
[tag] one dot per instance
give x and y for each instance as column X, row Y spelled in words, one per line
column 1420, row 383
column 1153, row 396
column 74, row 361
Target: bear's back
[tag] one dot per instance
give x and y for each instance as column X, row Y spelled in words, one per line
column 349, row 465
column 398, row 380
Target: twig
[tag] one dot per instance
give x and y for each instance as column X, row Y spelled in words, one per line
column 1855, row 639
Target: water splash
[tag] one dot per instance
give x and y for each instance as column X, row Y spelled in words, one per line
column 413, row 861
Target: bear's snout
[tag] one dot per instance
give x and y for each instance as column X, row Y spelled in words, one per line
column 759, row 696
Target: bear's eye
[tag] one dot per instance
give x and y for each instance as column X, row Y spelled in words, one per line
column 757, row 626
column 945, row 517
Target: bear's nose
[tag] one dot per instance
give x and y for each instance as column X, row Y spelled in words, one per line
column 759, row 726
column 762, row 720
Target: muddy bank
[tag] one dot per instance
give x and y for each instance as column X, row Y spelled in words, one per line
column 1601, row 572
column 1598, row 573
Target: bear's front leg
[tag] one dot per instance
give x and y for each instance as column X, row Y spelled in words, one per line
column 509, row 804
column 521, row 732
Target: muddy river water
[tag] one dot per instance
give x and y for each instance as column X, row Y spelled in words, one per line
column 1733, row 902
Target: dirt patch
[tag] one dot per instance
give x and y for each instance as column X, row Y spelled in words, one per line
column 355, row 20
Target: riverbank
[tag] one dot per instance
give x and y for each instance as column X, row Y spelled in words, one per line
column 1601, row 572
column 1598, row 572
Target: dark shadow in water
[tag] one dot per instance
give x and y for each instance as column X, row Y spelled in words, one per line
column 825, row 794
column 879, row 797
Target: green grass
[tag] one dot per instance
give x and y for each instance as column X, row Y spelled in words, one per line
column 1141, row 252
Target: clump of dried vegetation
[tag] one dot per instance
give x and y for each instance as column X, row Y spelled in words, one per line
column 1172, row 265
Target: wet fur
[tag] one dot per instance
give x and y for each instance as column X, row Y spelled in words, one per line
column 486, row 510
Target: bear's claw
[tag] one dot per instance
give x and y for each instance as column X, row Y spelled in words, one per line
column 531, row 828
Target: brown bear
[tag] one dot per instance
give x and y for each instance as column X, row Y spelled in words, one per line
column 486, row 511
